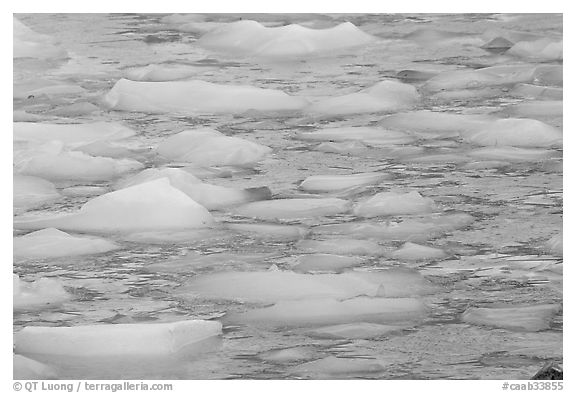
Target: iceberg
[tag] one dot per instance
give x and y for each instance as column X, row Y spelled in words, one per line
column 195, row 96
column 293, row 208
column 210, row 196
column 327, row 183
column 318, row 312
column 52, row 243
column 385, row 96
column 250, row 38
column 54, row 163
column 70, row 133
column 207, row 147
column 516, row 132
column 151, row 206
column 31, row 192
column 114, row 340
column 394, row 203
column 45, row 292
column 530, row 318
column 275, row 286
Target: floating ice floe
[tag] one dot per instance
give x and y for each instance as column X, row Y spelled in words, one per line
column 537, row 92
column 543, row 49
column 195, row 96
column 366, row 135
column 525, row 318
column 555, row 244
column 70, row 133
column 394, row 203
column 25, row 368
column 360, row 330
column 516, row 132
column 274, row 286
column 427, row 124
column 207, row 147
column 36, row 89
column 549, row 75
column 161, row 72
column 45, row 292
column 480, row 78
column 536, row 109
column 333, row 367
column 351, row 147
column 512, row 154
column 104, row 149
column 52, row 243
column 325, row 263
column 210, row 196
column 52, row 162
column 293, row 208
column 31, row 192
column 344, row 246
column 30, row 44
column 151, row 206
column 385, row 96
column 115, row 340
column 317, row 312
column 276, row 232
column 416, row 252
column 248, row 37
column 74, row 110
column 412, row 229
column 327, row 183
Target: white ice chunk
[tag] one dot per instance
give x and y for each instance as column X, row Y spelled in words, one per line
column 293, row 208
column 210, row 196
column 333, row 367
column 394, row 203
column 531, row 318
column 161, row 72
column 207, row 147
column 360, row 330
column 385, row 96
column 342, row 246
column 416, row 252
column 52, row 243
column 543, row 49
column 327, row 183
column 25, row 368
column 151, row 206
column 536, row 109
column 315, row 312
column 271, row 231
column 512, row 154
column 195, row 96
column 367, row 135
column 516, row 132
column 248, row 37
column 70, row 133
column 54, row 163
column 30, row 192
column 274, row 286
column 431, row 124
column 114, row 340
column 555, row 244
column 538, row 92
column 29, row 44
column 45, row 292
column 412, row 229
column 326, row 263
